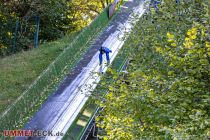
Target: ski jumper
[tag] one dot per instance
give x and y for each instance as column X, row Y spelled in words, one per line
column 103, row 50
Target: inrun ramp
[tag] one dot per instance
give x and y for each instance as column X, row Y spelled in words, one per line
column 62, row 107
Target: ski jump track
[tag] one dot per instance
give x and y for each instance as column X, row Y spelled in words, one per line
column 60, row 110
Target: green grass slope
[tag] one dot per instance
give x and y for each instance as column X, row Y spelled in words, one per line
column 17, row 72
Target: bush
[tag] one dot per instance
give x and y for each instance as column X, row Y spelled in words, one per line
column 166, row 93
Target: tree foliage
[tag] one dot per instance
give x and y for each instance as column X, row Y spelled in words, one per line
column 84, row 11
column 166, row 94
column 57, row 19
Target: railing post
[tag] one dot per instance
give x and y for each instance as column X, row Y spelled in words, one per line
column 15, row 36
column 36, row 35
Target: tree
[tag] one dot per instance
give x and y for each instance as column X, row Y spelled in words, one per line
column 83, row 12
column 57, row 18
column 166, row 93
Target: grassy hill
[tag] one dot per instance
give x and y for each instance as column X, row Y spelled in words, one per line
column 17, row 72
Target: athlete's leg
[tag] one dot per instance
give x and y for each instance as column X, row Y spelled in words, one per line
column 100, row 59
column 107, row 58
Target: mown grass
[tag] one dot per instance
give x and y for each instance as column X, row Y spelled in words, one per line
column 17, row 72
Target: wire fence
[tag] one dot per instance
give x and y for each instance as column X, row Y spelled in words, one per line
column 6, row 35
column 17, row 35
column 16, row 116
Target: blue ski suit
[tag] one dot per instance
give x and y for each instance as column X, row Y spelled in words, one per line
column 103, row 50
column 177, row 1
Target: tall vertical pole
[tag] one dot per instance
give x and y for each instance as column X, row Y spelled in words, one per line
column 36, row 35
column 15, row 36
